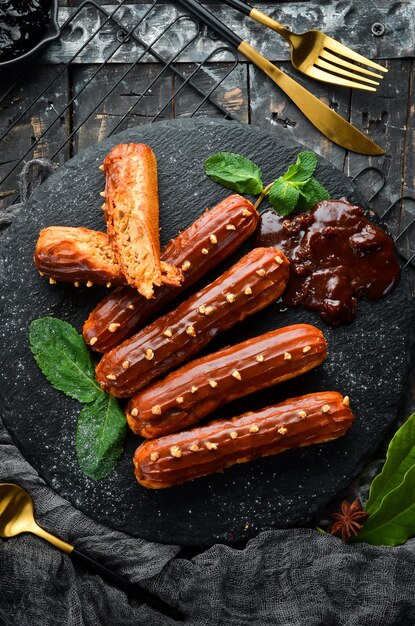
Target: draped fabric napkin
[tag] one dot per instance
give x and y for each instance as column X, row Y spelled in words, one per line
column 295, row 577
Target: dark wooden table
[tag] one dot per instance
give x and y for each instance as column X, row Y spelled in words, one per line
column 83, row 113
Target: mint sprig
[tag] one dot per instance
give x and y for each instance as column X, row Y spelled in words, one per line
column 235, row 171
column 296, row 189
column 63, row 357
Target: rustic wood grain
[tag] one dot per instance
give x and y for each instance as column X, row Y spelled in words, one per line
column 22, row 137
column 347, row 20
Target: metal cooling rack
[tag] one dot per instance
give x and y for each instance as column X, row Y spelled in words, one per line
column 112, row 26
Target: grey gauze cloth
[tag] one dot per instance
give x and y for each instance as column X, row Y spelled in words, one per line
column 293, row 577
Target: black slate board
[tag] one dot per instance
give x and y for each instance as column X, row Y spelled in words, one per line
column 367, row 359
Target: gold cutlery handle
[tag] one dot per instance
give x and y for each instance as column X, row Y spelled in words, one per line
column 55, row 541
column 264, row 19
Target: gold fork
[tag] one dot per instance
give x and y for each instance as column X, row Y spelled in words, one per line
column 317, row 55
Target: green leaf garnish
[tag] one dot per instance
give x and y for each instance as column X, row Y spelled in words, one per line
column 234, row 172
column 310, row 194
column 63, row 357
column 99, row 437
column 391, row 503
column 283, row 196
column 303, row 169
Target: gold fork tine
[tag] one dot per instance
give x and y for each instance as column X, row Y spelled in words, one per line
column 325, row 65
column 321, row 75
column 328, row 56
column 338, row 48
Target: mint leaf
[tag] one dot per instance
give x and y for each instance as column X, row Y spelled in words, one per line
column 100, row 436
column 400, row 458
column 234, row 171
column 283, row 196
column 311, row 193
column 303, row 169
column 63, row 357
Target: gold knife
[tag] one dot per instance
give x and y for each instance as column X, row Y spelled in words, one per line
column 328, row 122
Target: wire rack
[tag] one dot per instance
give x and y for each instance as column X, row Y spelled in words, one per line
column 33, row 114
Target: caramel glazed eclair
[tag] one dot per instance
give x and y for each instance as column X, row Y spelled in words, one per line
column 213, row 237
column 174, row 459
column 196, row 389
column 258, row 279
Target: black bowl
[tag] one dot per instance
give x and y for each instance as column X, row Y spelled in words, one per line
column 52, row 32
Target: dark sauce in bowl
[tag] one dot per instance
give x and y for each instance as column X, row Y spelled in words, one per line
column 22, row 24
column 336, row 254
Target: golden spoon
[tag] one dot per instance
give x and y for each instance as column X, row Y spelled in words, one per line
column 17, row 516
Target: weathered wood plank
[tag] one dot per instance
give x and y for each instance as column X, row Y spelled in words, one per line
column 271, row 108
column 131, row 92
column 231, row 92
column 346, row 20
column 22, row 137
column 384, row 118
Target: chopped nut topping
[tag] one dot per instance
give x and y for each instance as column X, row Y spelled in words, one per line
column 234, row 434
column 247, row 291
column 302, row 414
column 113, row 327
column 325, row 408
column 194, row 447
column 154, row 456
column 90, row 283
column 52, row 281
column 213, row 239
column 202, row 309
column 108, row 285
column 93, row 341
column 134, row 412
column 260, row 358
column 156, row 409
column 194, row 389
column 236, row 375
column 261, row 272
column 101, row 167
column 213, row 383
column 179, row 399
column 209, row 310
column 103, row 206
column 41, row 273
column 175, row 451
column 346, row 401
column 230, row 227
column 191, row 331
column 76, row 283
column 149, row 354
column 205, row 251
column 282, row 430
column 211, row 446
column 279, row 260
column 186, row 266
column 131, row 306
column 230, row 297
column 287, row 356
column 306, row 349
column 111, row 377
column 246, row 213
column 126, row 365
column 254, row 429
column 168, row 333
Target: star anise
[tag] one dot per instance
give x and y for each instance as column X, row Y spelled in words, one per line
column 348, row 521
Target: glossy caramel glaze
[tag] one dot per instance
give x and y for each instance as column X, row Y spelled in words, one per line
column 77, row 255
column 124, row 306
column 181, row 333
column 186, row 395
column 174, row 459
column 336, row 255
